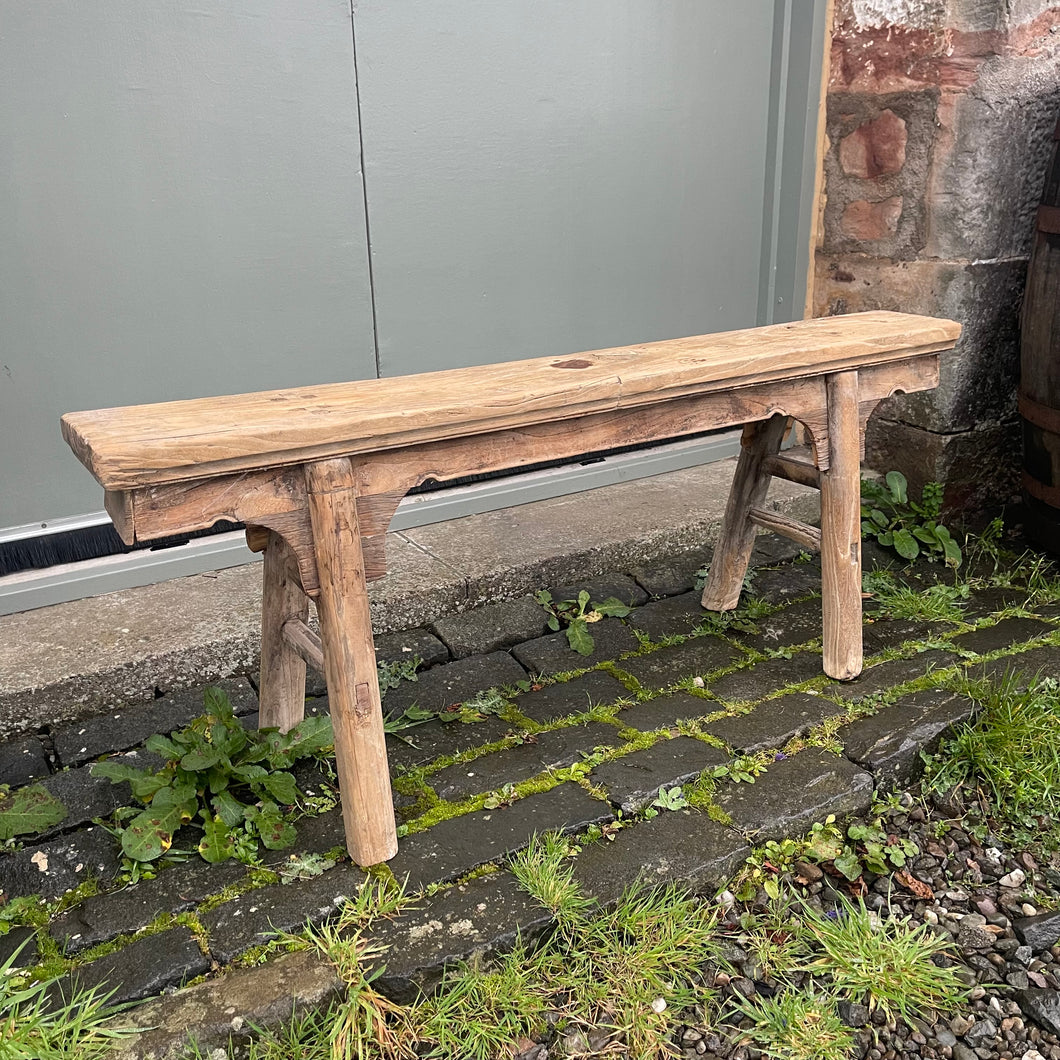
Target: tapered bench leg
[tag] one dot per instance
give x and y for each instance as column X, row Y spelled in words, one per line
column 737, row 537
column 841, row 531
column 349, row 663
column 281, row 684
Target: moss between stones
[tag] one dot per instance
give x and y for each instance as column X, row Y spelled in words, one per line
column 431, row 810
column 53, row 964
column 260, row 954
column 489, row 869
column 254, row 880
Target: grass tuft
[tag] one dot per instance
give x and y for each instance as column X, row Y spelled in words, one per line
column 304, row 1036
column 544, row 871
column 629, row 972
column 1010, row 752
column 886, row 963
column 33, row 1027
column 367, row 1023
column 479, row 1014
column 798, row 1025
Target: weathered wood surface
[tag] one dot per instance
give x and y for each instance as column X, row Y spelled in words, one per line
column 281, row 683
column 143, row 444
column 304, row 641
column 349, row 664
column 737, row 537
column 841, row 533
column 275, row 497
column 795, row 465
column 801, row 533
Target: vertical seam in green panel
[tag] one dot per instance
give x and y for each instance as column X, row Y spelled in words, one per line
column 771, row 207
column 364, row 190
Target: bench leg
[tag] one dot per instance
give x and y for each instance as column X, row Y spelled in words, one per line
column 841, row 531
column 349, row 663
column 737, row 537
column 281, row 683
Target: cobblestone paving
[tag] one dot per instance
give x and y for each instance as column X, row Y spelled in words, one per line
column 671, row 696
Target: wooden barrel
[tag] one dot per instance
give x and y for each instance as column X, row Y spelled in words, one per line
column 1039, row 395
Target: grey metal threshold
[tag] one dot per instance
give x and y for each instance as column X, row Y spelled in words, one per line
column 27, row 590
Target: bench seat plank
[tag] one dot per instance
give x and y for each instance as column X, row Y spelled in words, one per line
column 141, row 445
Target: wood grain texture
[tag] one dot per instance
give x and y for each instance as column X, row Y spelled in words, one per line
column 841, row 533
column 142, row 444
column 795, row 465
column 277, row 497
column 281, row 687
column 801, row 533
column 193, row 504
column 349, row 664
column 305, row 642
column 874, row 384
column 750, row 484
column 119, row 505
column 295, row 528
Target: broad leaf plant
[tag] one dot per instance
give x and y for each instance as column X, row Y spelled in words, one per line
column 229, row 782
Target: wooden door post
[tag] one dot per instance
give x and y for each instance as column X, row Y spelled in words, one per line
column 349, row 663
column 281, row 681
column 841, row 531
column 750, row 484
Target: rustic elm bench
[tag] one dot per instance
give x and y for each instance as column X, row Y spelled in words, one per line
column 317, row 472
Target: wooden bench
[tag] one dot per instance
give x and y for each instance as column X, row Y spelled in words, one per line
column 317, row 472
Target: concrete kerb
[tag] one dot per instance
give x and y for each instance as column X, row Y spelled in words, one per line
column 78, row 659
column 218, row 1009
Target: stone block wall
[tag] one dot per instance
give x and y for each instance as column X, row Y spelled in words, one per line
column 940, row 116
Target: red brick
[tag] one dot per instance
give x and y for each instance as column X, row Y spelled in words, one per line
column 875, row 148
column 872, row 221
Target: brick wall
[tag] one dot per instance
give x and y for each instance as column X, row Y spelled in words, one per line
column 939, row 122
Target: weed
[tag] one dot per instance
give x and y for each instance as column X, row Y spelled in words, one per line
column 479, row 1014
column 409, row 718
column 879, row 851
column 863, row 846
column 234, row 780
column 628, row 971
column 31, row 809
column 798, row 1025
column 985, row 547
column 774, row 938
column 1043, row 583
column 391, row 674
column 490, row 702
column 576, row 616
column 504, row 796
column 544, row 871
column 767, row 863
column 366, row 1023
column 19, row 910
column 701, row 575
column 885, row 963
column 1009, row 752
column 742, row 770
column 670, row 799
column 305, row 1035
column 909, row 527
column 33, row 1027
column 938, row 602
column 304, row 867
